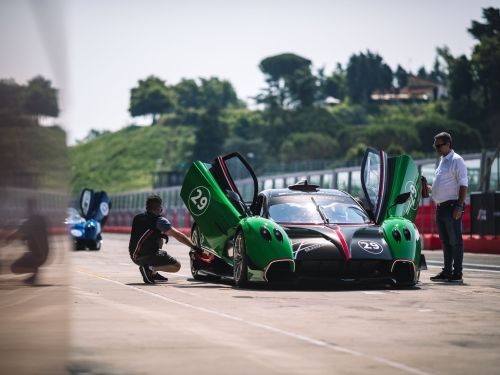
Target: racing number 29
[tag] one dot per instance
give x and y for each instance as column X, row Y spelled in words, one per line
column 199, row 200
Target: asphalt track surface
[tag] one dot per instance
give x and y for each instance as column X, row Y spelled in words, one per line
column 118, row 325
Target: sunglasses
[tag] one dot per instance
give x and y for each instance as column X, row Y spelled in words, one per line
column 439, row 145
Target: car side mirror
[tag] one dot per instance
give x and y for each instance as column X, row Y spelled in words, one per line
column 235, row 198
column 401, row 198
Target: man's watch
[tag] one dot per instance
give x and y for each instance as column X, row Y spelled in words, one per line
column 461, row 206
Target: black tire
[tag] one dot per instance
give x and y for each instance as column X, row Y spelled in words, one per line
column 95, row 245
column 240, row 268
column 79, row 245
column 195, row 238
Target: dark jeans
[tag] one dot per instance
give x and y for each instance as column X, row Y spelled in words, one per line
column 450, row 234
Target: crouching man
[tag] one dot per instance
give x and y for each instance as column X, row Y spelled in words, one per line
column 149, row 229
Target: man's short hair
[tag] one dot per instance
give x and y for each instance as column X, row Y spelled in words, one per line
column 443, row 136
column 153, row 202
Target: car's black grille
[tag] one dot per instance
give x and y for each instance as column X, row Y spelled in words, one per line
column 403, row 273
column 338, row 269
column 279, row 271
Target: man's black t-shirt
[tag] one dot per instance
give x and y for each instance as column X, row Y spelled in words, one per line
column 145, row 236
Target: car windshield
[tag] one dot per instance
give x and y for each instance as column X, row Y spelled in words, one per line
column 337, row 209
column 73, row 217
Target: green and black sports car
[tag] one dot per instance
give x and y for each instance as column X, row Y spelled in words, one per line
column 305, row 232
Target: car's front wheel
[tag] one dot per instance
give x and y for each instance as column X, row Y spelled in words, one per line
column 240, row 267
column 79, row 245
column 96, row 245
column 195, row 238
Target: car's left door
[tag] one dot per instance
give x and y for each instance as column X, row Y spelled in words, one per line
column 234, row 174
column 209, row 192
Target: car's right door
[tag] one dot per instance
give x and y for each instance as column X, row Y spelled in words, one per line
column 383, row 178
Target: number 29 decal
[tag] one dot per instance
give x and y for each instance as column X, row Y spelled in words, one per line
column 371, row 247
column 199, row 199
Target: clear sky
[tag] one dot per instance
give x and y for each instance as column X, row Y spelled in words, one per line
column 95, row 51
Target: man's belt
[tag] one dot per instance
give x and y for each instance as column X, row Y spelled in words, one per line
column 450, row 203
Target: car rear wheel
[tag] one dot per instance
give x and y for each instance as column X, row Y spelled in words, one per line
column 240, row 267
column 195, row 238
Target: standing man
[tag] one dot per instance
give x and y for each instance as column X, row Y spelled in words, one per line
column 146, row 239
column 448, row 191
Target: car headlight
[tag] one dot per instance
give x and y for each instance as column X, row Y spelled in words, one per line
column 76, row 232
column 264, row 232
column 396, row 234
column 278, row 235
column 407, row 234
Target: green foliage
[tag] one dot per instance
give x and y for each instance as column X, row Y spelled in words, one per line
column 37, row 98
column 465, row 137
column 365, row 74
column 211, row 92
column 151, row 97
column 355, row 152
column 474, row 84
column 334, row 85
column 461, row 79
column 282, row 66
column 40, row 98
column 401, row 76
column 124, row 160
column 188, row 94
column 11, row 97
column 210, row 135
column 290, row 81
column 348, row 114
column 308, row 146
column 33, row 156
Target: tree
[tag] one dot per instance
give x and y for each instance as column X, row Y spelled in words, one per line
column 401, row 76
column 489, row 29
column 188, row 94
column 308, row 146
column 422, row 73
column 211, row 92
column 365, row 74
column 218, row 93
column 151, row 97
column 210, row 135
column 40, row 98
column 302, row 88
column 333, row 85
column 11, row 96
column 461, row 79
column 437, row 73
column 289, row 79
column 486, row 55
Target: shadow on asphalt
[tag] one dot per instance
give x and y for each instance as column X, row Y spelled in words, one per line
column 291, row 287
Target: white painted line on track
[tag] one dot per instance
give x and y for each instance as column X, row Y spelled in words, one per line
column 469, row 269
column 467, row 264
column 309, row 340
column 40, row 293
column 480, row 265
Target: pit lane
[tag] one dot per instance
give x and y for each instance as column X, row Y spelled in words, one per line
column 121, row 326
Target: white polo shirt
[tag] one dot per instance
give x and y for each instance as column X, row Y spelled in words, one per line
column 451, row 173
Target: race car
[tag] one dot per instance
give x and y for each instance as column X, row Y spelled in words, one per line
column 305, row 232
column 85, row 227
